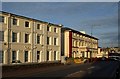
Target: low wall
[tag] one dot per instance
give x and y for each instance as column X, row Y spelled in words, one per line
column 12, row 67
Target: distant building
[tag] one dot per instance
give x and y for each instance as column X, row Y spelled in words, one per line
column 102, row 52
column 77, row 44
column 28, row 40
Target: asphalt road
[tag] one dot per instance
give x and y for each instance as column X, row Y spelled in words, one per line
column 101, row 69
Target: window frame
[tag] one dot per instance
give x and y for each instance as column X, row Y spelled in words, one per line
column 2, row 19
column 14, row 55
column 38, row 55
column 27, row 25
column 55, row 30
column 2, row 56
column 15, row 21
column 2, row 34
column 55, row 41
column 28, row 39
column 15, row 40
column 38, row 40
column 48, row 40
column 48, row 28
column 39, row 26
column 47, row 56
column 55, row 54
column 25, row 56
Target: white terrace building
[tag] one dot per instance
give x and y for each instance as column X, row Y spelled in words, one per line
column 77, row 44
column 28, row 40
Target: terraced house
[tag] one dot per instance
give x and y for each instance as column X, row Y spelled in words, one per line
column 28, row 40
column 78, row 44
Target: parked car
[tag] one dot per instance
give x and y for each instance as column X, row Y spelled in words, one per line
column 16, row 62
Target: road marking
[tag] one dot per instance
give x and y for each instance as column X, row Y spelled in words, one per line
column 75, row 73
column 91, row 67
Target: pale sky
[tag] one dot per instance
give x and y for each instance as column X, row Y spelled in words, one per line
column 103, row 16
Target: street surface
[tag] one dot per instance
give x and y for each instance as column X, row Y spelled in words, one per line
column 100, row 69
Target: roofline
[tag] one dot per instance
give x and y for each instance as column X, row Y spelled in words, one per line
column 66, row 28
column 12, row 14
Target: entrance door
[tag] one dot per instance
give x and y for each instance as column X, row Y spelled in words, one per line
column 47, row 55
column 38, row 56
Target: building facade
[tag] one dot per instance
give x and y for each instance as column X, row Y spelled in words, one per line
column 28, row 40
column 77, row 44
column 102, row 52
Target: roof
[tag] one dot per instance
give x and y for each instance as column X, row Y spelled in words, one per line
column 66, row 28
column 30, row 18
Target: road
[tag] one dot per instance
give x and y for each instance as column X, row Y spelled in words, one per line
column 104, row 69
column 101, row 69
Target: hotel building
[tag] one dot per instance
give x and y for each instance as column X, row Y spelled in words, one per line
column 28, row 40
column 77, row 44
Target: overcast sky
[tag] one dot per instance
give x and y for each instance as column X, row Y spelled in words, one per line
column 102, row 16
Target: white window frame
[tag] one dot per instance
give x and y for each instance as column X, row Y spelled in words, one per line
column 17, row 22
column 41, row 27
column 12, row 55
column 50, row 41
column 25, row 24
column 50, row 28
column 39, row 39
column 17, row 37
column 28, row 39
column 4, row 19
column 2, row 57
column 2, row 36
column 28, row 56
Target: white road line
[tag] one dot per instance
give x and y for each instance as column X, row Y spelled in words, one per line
column 91, row 67
column 75, row 73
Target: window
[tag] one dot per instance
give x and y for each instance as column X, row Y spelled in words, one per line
column 1, row 35
column 38, row 26
column 55, row 41
column 54, row 55
column 48, row 28
column 47, row 55
column 38, row 39
column 48, row 40
column 77, row 43
column 2, row 19
column 26, row 56
column 74, row 34
column 26, row 38
column 14, row 21
column 13, row 55
column 14, row 37
column 38, row 56
column 26, row 24
column 41, row 38
column 1, row 56
column 55, row 30
column 74, row 43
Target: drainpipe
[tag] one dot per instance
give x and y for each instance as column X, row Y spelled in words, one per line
column 9, row 32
